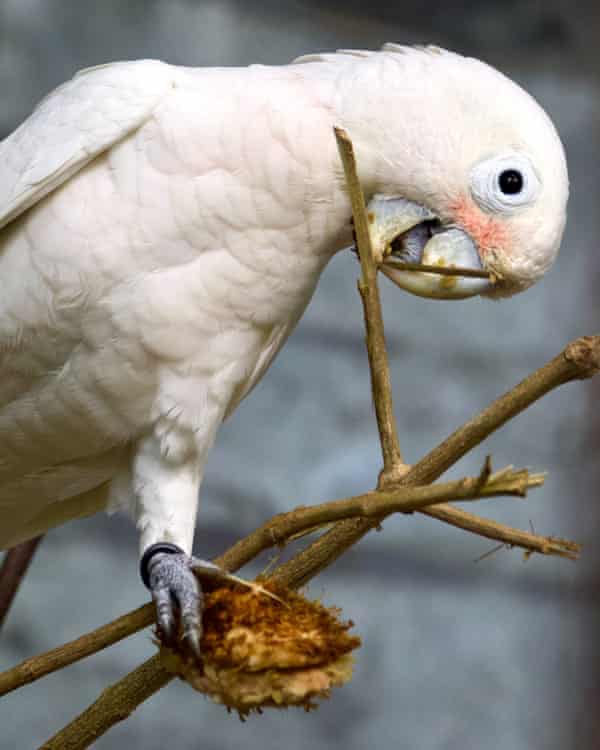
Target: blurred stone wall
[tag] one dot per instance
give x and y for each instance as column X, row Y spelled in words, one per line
column 498, row 654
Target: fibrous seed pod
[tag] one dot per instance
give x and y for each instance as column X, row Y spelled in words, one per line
column 260, row 652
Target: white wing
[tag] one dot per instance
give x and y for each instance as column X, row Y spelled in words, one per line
column 70, row 127
column 73, row 124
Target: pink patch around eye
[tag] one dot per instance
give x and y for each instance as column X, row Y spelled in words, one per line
column 485, row 231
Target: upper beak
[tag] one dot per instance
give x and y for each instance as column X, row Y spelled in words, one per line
column 407, row 236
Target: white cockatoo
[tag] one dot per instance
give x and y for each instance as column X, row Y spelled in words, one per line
column 163, row 229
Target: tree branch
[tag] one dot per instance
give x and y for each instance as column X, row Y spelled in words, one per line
column 378, row 504
column 278, row 531
column 115, row 704
column 580, row 359
column 88, row 644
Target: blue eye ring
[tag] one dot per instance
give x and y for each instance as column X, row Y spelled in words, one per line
column 504, row 183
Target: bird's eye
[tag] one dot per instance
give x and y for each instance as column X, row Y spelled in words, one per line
column 510, row 181
column 504, row 183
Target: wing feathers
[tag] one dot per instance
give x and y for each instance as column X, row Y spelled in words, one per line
column 74, row 124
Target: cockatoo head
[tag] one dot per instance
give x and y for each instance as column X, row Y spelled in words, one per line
column 462, row 167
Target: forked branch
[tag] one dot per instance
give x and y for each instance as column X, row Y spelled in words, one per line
column 277, row 532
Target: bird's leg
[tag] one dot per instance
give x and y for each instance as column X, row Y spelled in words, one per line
column 167, row 471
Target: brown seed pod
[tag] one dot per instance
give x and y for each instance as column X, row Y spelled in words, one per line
column 258, row 651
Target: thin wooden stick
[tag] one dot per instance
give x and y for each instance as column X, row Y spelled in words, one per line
column 471, row 273
column 393, row 464
column 498, row 532
column 13, row 570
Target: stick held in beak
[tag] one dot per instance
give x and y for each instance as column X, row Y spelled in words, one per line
column 405, row 231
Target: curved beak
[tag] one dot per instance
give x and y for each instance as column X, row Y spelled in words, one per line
column 420, row 254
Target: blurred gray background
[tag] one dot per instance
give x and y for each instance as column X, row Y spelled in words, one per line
column 500, row 653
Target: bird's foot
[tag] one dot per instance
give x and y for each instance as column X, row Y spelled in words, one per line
column 169, row 575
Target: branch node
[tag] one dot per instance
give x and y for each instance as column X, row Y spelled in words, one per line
column 392, row 476
column 584, row 353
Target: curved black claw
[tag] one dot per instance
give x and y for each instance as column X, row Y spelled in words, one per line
column 167, row 572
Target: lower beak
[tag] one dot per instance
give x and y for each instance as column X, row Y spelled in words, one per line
column 407, row 238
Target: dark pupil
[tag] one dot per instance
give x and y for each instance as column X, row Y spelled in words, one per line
column 511, row 181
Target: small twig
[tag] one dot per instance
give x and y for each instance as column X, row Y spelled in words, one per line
column 393, row 464
column 485, row 474
column 13, row 570
column 498, row 531
column 472, row 273
column 490, row 552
